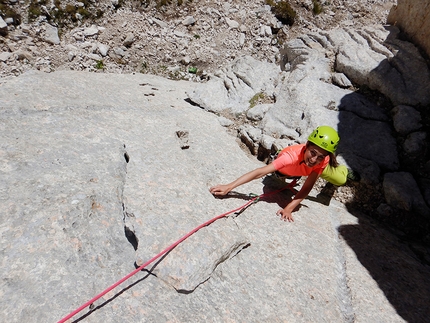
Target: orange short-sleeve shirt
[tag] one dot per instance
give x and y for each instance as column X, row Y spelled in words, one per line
column 290, row 162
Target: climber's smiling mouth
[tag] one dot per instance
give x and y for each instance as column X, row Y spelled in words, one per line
column 314, row 155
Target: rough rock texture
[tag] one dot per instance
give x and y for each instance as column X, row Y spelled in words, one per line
column 412, row 17
column 101, row 172
column 149, row 37
column 304, row 96
column 93, row 168
column 396, row 195
column 232, row 88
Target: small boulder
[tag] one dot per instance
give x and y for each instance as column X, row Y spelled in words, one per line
column 129, row 40
column 91, row 31
column 103, row 49
column 3, row 27
column 5, row 56
column 51, row 35
column 188, row 21
column 406, row 119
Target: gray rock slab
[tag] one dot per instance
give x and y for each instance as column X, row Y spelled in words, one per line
column 377, row 57
column 91, row 31
column 86, row 155
column 61, row 219
column 257, row 113
column 231, row 89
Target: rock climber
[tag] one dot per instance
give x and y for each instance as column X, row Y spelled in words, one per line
column 316, row 158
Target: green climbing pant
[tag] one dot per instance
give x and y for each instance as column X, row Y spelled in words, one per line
column 335, row 175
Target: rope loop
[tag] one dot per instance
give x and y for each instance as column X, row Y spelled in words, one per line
column 255, row 197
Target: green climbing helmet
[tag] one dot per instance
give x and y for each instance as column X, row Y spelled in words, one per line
column 325, row 137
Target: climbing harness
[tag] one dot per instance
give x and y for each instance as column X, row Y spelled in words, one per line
column 254, row 198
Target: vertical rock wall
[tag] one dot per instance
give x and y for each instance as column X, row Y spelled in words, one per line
column 413, row 17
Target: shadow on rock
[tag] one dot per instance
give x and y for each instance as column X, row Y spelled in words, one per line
column 277, row 190
column 371, row 145
column 396, row 270
column 235, row 195
column 93, row 308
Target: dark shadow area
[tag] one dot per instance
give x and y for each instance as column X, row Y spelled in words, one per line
column 277, row 190
column 131, row 237
column 235, row 195
column 281, row 192
column 394, row 267
column 325, row 195
column 382, row 240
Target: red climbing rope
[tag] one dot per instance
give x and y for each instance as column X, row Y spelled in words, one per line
column 107, row 290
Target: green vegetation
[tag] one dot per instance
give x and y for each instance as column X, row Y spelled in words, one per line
column 145, row 68
column 71, row 10
column 162, row 3
column 7, row 12
column 317, row 8
column 99, row 13
column 256, row 99
column 85, row 13
column 192, row 70
column 100, row 65
column 283, row 11
column 62, row 16
column 35, row 10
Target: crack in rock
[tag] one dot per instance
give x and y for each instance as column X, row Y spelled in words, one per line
column 129, row 233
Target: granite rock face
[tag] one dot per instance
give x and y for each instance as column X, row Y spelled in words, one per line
column 305, row 94
column 412, row 17
column 231, row 88
column 102, row 172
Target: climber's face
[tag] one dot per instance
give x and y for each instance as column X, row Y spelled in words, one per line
column 314, row 155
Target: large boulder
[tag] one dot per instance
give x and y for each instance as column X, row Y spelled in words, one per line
column 411, row 16
column 231, row 88
column 379, row 59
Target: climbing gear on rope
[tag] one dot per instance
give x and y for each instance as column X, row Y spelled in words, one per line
column 165, row 251
column 272, row 157
column 325, row 137
column 254, row 196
